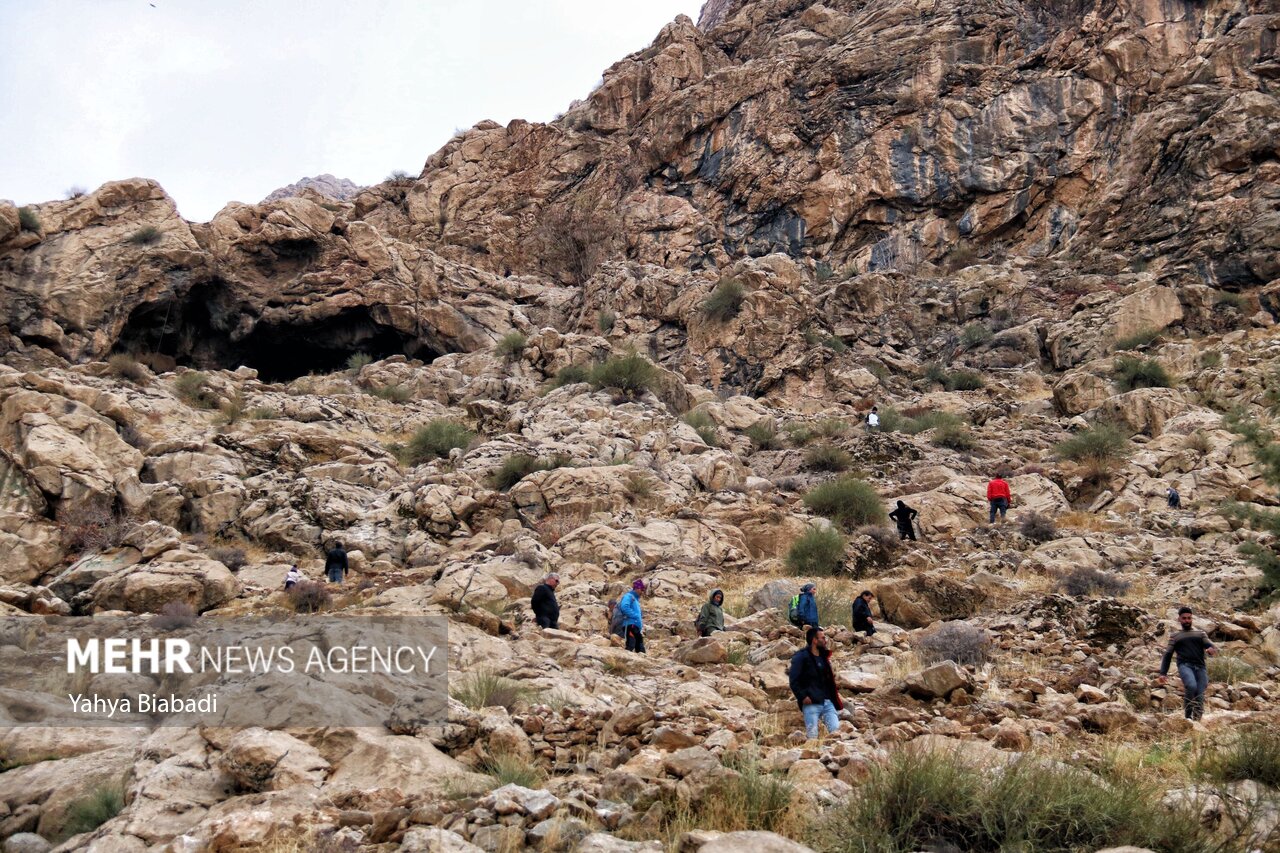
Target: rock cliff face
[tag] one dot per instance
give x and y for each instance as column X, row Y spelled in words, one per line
column 1005, row 224
column 338, row 189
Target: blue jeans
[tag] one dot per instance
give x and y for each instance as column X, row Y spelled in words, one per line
column 1195, row 680
column 825, row 712
column 997, row 504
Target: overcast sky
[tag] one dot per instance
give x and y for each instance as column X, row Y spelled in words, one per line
column 223, row 100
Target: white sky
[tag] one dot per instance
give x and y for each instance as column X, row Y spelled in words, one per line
column 223, row 100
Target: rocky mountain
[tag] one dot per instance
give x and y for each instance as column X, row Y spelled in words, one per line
column 642, row 341
column 338, row 189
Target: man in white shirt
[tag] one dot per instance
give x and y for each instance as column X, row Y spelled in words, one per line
column 873, row 419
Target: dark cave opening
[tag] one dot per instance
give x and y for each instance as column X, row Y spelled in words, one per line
column 195, row 331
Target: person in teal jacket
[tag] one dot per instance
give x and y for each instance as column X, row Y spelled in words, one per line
column 632, row 618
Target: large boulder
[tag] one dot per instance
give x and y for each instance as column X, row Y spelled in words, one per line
column 923, row 599
column 938, row 681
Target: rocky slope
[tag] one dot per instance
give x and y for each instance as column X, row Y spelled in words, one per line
column 338, row 189
column 905, row 193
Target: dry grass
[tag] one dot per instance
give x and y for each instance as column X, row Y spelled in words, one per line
column 1078, row 520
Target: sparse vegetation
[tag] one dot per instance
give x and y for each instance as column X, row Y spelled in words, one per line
column 357, row 361
column 511, row 769
column 639, row 486
column 397, row 176
column 309, row 597
column 827, row 457
column 1098, row 448
column 848, row 501
column 703, row 425
column 964, row 380
column 1211, row 360
column 92, row 811
column 1229, row 669
column 1131, row 372
column 511, row 345
column 90, row 527
column 725, row 301
column 967, row 645
column 631, row 374
column 975, row 335
column 146, row 235
column 174, row 616
column 28, row 220
column 1261, row 442
column 799, row 434
column 74, row 192
column 953, row 437
column 575, row 239
column 818, row 552
column 231, row 556
column 1138, row 340
column 605, row 321
column 520, row 465
column 1198, row 443
column 193, row 389
column 127, row 367
column 392, row 393
column 486, row 689
column 435, row 439
column 1083, row 581
column 1253, row 755
column 763, row 435
column 1038, row 527
column 571, row 375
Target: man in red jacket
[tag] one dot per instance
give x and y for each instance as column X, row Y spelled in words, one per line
column 998, row 497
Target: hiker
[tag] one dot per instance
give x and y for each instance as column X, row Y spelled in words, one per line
column 292, row 578
column 904, row 516
column 862, row 612
column 1190, row 646
column 632, row 621
column 814, row 684
column 616, row 620
column 803, row 609
column 546, row 610
column 711, row 616
column 1175, row 499
column 335, row 563
column 999, row 497
column 873, row 419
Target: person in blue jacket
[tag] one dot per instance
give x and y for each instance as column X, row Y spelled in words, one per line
column 803, row 609
column 632, row 620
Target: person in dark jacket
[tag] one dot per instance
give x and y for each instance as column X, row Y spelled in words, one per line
column 546, row 610
column 711, row 617
column 805, row 608
column 1175, row 499
column 862, row 612
column 814, row 684
column 904, row 516
column 1190, row 646
column 335, row 563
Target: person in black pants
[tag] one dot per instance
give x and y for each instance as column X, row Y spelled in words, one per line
column 904, row 516
column 862, row 612
column 335, row 563
column 546, row 609
column 1190, row 646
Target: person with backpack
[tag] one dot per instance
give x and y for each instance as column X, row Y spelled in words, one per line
column 862, row 612
column 1174, row 499
column 803, row 609
column 998, row 497
column 335, row 563
column 814, row 684
column 632, row 619
column 292, row 578
column 711, row 616
column 546, row 609
column 905, row 517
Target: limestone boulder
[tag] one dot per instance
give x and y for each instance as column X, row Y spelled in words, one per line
column 938, row 681
column 172, row 576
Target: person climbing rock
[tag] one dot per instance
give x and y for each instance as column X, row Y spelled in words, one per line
column 1174, row 499
column 814, row 684
column 998, row 497
column 862, row 612
column 803, row 609
column 1190, row 645
column 292, row 578
column 632, row 620
column 873, row 419
column 335, row 563
column 905, row 517
column 546, row 609
column 711, row 616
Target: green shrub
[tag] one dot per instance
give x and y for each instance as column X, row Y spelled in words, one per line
column 1211, row 360
column 92, row 811
column 393, row 393
column 520, row 465
column 571, row 375
column 1229, row 669
column 485, row 689
column 436, row 439
column 964, row 380
column 835, row 344
column 831, row 428
column 1131, row 372
column 819, row 552
column 935, row 373
column 939, row 801
column 146, row 235
column 954, row 437
column 511, row 769
column 28, row 220
column 1226, row 299
column 358, row 360
column 703, row 425
column 605, row 321
column 848, row 501
column 799, row 434
column 763, row 435
column 725, row 300
column 1138, row 340
column 193, row 389
column 1098, row 448
column 631, row 374
column 1253, row 755
column 510, row 345
column 127, row 367
column 975, row 335
column 827, row 457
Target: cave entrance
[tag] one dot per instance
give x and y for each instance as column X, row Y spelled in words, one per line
column 194, row 331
